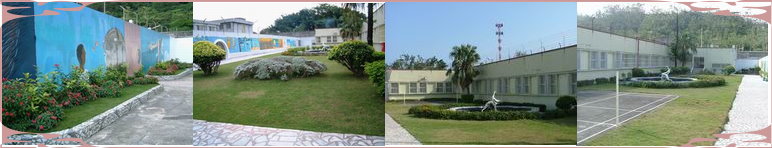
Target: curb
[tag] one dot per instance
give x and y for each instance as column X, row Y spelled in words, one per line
column 87, row 128
column 173, row 77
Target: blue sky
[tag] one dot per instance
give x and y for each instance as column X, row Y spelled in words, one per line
column 432, row 29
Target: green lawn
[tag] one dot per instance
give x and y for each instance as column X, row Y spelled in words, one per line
column 81, row 113
column 697, row 113
column 458, row 132
column 334, row 101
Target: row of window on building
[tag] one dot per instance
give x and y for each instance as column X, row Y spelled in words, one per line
column 546, row 85
column 600, row 60
column 330, row 39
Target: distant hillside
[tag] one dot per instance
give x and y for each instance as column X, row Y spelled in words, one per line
column 160, row 16
column 707, row 28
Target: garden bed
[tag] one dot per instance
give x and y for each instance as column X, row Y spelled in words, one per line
column 85, row 129
column 701, row 82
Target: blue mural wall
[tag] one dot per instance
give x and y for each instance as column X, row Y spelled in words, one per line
column 233, row 44
column 86, row 38
column 18, row 52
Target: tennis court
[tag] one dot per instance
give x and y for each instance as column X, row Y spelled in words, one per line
column 597, row 110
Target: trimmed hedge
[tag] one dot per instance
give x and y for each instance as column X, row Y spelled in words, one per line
column 441, row 112
column 702, row 81
column 376, row 72
column 354, row 55
column 207, row 56
column 281, row 67
column 566, row 102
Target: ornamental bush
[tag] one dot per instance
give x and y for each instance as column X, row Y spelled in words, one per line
column 353, row 55
column 638, row 72
column 442, row 112
column 144, row 80
column 207, row 56
column 566, row 102
column 701, row 82
column 108, row 89
column 376, row 72
column 728, row 70
column 282, row 67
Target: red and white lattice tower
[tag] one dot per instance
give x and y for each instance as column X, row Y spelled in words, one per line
column 499, row 33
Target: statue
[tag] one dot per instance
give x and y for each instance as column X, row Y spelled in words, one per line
column 665, row 75
column 493, row 102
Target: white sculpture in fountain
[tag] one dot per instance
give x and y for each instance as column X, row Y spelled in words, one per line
column 493, row 102
column 666, row 75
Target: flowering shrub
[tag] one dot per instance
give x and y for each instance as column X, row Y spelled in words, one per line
column 108, row 89
column 26, row 106
column 282, row 67
column 168, row 67
column 144, row 80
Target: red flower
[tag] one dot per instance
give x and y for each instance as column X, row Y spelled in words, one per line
column 28, row 114
column 18, row 95
column 41, row 127
column 56, row 65
column 53, row 117
column 34, row 121
column 5, row 79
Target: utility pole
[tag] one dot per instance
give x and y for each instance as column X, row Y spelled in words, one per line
column 499, row 33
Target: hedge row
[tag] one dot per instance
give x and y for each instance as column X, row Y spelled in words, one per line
column 702, row 81
column 442, row 112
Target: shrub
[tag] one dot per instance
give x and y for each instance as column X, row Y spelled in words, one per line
column 377, row 55
column 554, row 114
column 706, row 72
column 728, row 70
column 638, row 72
column 207, row 56
column 117, row 73
column 27, row 106
column 296, row 51
column 702, row 81
column 441, row 112
column 566, row 102
column 467, row 98
column 139, row 73
column 353, row 54
column 108, row 89
column 144, row 80
column 282, row 67
column 376, row 72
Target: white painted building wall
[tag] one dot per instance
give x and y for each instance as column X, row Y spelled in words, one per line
column 182, row 49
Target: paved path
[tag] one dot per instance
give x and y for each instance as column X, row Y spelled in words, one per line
column 396, row 135
column 749, row 113
column 226, row 134
column 235, row 57
column 166, row 119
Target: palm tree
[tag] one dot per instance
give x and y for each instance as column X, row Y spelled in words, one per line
column 369, row 6
column 682, row 49
column 462, row 69
column 351, row 27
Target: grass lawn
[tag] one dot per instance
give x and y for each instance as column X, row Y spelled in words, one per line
column 457, row 132
column 697, row 113
column 81, row 113
column 334, row 101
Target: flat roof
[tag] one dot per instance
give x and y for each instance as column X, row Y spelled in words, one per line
column 542, row 52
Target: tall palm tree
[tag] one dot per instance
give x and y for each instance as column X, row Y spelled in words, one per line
column 462, row 70
column 356, row 6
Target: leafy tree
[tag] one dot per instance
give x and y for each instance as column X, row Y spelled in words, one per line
column 462, row 70
column 410, row 62
column 681, row 50
column 665, row 26
column 322, row 16
column 351, row 26
column 159, row 16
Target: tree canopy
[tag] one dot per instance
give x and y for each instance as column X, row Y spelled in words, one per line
column 707, row 29
column 322, row 16
column 410, row 62
column 159, row 16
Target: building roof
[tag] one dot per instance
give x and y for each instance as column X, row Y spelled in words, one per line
column 417, row 75
column 296, row 34
column 218, row 22
column 551, row 50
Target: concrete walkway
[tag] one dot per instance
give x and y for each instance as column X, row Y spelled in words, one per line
column 750, row 112
column 226, row 134
column 235, row 57
column 396, row 135
column 165, row 119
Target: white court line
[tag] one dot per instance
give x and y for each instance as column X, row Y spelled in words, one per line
column 602, row 99
column 594, row 122
column 635, row 116
column 621, row 115
column 598, row 107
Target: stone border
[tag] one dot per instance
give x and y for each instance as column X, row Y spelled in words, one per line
column 90, row 127
column 173, row 77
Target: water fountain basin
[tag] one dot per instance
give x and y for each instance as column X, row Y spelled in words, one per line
column 505, row 108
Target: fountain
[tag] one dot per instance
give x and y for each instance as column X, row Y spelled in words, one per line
column 494, row 103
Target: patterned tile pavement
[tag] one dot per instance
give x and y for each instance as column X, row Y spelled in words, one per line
column 225, row 134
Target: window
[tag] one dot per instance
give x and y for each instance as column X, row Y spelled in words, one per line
column 542, row 84
column 594, row 60
column 335, row 39
column 644, row 61
column 504, row 85
column 572, row 79
column 422, row 87
column 699, row 62
column 522, row 85
column 439, row 87
column 318, row 39
column 618, row 60
column 603, row 60
column 629, row 60
column 449, row 87
column 553, row 84
column 329, row 39
column 413, row 88
column 394, row 88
